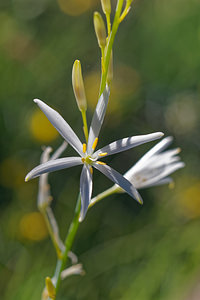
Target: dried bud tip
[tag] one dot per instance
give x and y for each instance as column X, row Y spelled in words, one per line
column 78, row 86
column 50, row 288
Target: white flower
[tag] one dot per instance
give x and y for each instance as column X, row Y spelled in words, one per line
column 155, row 166
column 88, row 158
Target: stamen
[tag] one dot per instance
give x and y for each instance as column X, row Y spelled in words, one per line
column 84, row 147
column 91, row 170
column 102, row 154
column 95, row 144
column 83, row 159
column 100, row 163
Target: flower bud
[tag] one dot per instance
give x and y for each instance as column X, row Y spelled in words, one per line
column 50, row 288
column 106, row 6
column 100, row 29
column 78, row 86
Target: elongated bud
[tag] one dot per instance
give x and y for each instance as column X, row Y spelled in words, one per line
column 78, row 86
column 100, row 29
column 106, row 6
column 110, row 70
column 50, row 288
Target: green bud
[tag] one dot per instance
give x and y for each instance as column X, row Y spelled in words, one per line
column 106, row 6
column 78, row 86
column 100, row 29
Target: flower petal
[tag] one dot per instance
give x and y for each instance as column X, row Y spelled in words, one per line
column 97, row 119
column 166, row 180
column 53, row 165
column 119, row 180
column 61, row 125
column 159, row 147
column 152, row 175
column 128, row 143
column 164, row 172
column 85, row 190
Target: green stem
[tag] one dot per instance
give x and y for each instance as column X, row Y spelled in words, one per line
column 108, row 23
column 61, row 263
column 115, row 26
column 85, row 127
column 126, row 11
column 103, row 195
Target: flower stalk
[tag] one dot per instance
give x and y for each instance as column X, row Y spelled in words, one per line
column 61, row 263
column 109, row 45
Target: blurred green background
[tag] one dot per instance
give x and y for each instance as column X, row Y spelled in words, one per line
column 128, row 252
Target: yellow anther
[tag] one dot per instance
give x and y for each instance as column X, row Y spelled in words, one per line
column 84, row 147
column 91, row 170
column 95, row 144
column 83, row 159
column 100, row 163
column 102, row 154
column 178, row 150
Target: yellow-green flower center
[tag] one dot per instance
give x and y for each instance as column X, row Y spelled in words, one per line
column 87, row 160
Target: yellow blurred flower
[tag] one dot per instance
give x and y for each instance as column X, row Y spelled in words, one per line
column 189, row 199
column 12, row 173
column 32, row 227
column 41, row 128
column 76, row 7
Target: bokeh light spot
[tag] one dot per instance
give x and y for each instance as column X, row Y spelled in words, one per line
column 41, row 128
column 182, row 114
column 189, row 200
column 32, row 227
column 75, row 7
column 29, row 9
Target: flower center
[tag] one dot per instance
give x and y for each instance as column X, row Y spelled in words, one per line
column 87, row 160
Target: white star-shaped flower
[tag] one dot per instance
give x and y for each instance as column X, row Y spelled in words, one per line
column 155, row 166
column 88, row 157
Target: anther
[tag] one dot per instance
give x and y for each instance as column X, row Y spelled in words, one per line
column 84, row 148
column 91, row 170
column 102, row 154
column 83, row 159
column 95, row 144
column 100, row 163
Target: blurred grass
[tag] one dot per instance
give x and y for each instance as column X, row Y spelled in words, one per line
column 128, row 252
